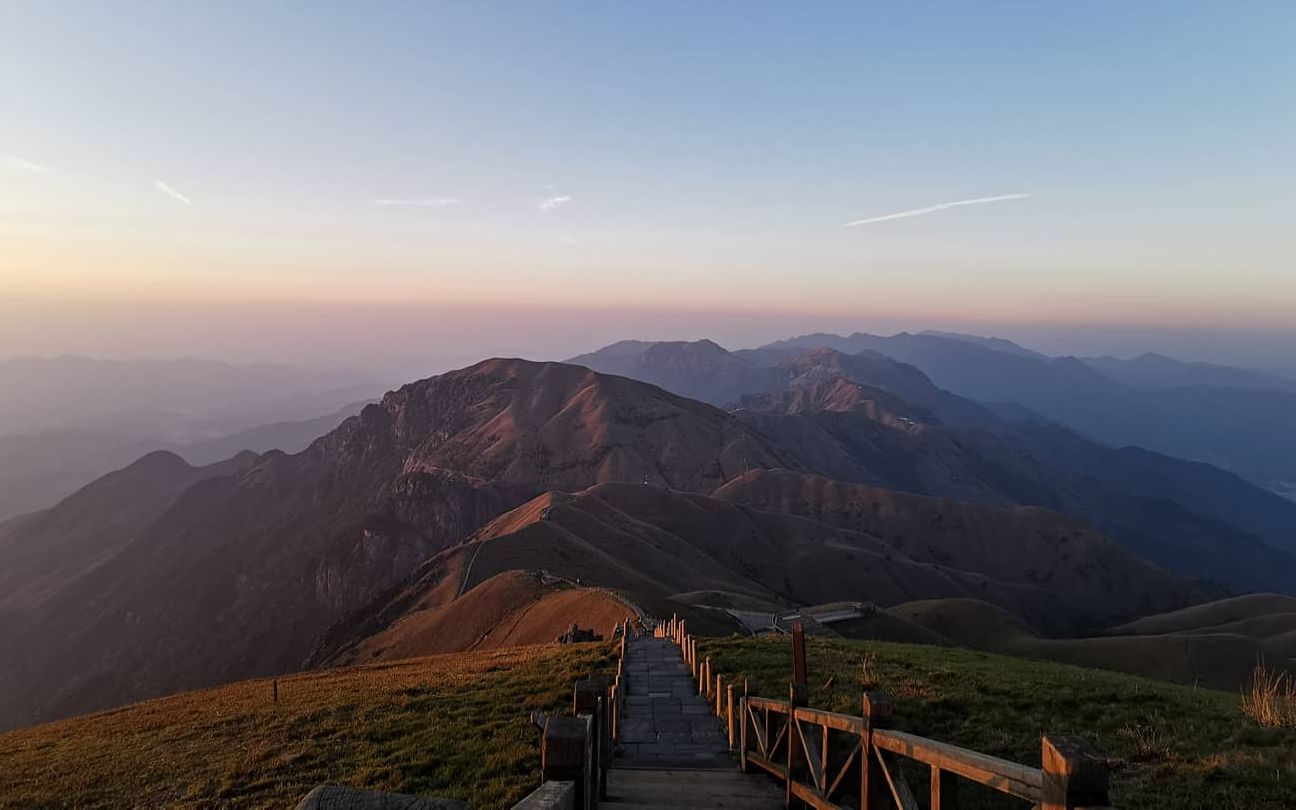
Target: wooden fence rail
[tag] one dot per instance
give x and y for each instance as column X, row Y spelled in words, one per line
column 578, row 749
column 823, row 757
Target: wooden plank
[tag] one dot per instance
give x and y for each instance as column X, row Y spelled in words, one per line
column 768, row 765
column 808, row 795
column 813, row 759
column 904, row 798
column 1021, row 781
column 783, row 732
column 845, row 770
column 835, row 720
column 769, row 704
column 762, row 734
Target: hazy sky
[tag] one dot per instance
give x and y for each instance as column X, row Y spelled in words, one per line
column 299, row 178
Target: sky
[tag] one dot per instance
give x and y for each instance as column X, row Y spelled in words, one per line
column 310, row 181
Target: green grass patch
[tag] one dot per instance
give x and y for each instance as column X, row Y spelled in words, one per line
column 1170, row 746
column 450, row 725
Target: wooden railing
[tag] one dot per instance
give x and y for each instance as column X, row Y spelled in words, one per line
column 576, row 751
column 827, row 758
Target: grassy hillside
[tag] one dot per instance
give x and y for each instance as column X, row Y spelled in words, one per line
column 456, row 725
column 1172, row 746
column 448, row 725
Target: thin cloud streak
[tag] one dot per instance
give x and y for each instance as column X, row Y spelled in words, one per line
column 553, row 202
column 15, row 164
column 917, row 212
column 163, row 187
column 418, row 202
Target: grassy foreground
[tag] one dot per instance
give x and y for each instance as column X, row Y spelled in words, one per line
column 1171, row 746
column 446, row 725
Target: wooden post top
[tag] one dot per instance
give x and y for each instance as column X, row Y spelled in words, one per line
column 586, row 694
column 877, row 707
column 1074, row 776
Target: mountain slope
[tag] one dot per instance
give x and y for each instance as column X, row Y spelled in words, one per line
column 662, row 548
column 1025, row 545
column 47, row 552
column 266, row 560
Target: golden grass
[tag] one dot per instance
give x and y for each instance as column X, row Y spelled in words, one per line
column 447, row 725
column 1270, row 700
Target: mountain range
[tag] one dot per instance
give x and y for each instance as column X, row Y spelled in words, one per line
column 1240, row 420
column 452, row 501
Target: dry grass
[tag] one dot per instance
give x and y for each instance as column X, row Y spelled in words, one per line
column 1271, row 698
column 868, row 679
column 1149, row 741
column 447, row 725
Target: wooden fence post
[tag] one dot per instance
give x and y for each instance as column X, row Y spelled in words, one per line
column 799, row 660
column 719, row 697
column 614, row 698
column 944, row 790
column 874, row 793
column 566, row 755
column 729, row 698
column 793, row 742
column 1073, row 775
column 590, row 697
column 603, row 726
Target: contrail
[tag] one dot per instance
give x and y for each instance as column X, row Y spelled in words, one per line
column 162, row 186
column 917, row 212
column 553, row 202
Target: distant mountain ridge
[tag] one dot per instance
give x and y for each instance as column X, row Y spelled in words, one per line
column 1182, row 409
column 699, row 369
column 39, row 470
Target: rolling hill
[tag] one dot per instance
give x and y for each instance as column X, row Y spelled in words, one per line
column 1215, row 660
